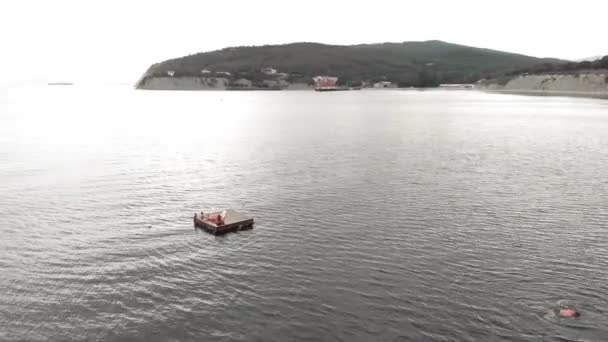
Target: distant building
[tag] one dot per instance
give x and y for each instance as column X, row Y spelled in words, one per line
column 325, row 82
column 171, row 73
column 268, row 71
column 383, row 84
column 205, row 71
column 226, row 73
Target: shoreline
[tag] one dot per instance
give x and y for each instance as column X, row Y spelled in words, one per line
column 556, row 93
column 202, row 84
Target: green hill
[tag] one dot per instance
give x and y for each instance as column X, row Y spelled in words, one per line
column 600, row 63
column 408, row 64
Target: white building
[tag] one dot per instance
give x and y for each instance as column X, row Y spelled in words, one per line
column 205, row 71
column 269, row 71
column 171, row 73
column 383, row 84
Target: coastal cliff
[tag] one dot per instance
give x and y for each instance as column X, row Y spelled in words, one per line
column 586, row 78
column 198, row 83
column 183, row 83
column 592, row 83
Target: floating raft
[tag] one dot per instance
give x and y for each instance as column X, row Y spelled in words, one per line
column 223, row 222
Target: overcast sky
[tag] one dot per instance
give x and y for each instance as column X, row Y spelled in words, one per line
column 118, row 39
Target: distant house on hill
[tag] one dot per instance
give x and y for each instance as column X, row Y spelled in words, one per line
column 205, row 71
column 171, row 73
column 268, row 71
column 225, row 73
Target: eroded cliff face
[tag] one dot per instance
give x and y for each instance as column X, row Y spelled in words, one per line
column 592, row 83
column 197, row 83
column 587, row 82
column 183, row 83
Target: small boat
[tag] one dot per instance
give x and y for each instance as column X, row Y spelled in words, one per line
column 223, row 222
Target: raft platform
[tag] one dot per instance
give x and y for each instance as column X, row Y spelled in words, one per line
column 223, row 222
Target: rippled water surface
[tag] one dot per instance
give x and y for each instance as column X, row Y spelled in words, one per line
column 380, row 216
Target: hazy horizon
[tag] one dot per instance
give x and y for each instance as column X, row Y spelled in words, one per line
column 67, row 40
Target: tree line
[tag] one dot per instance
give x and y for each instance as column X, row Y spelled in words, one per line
column 544, row 68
